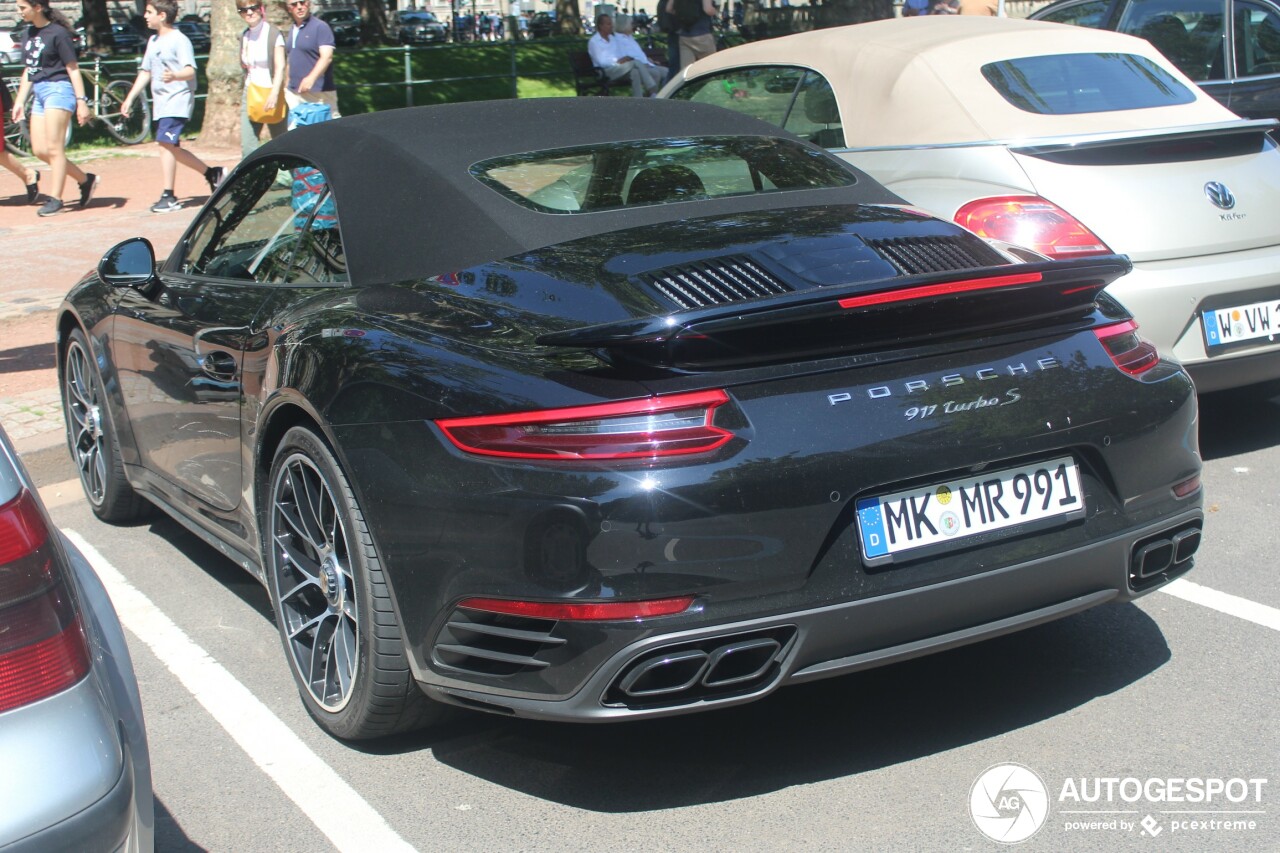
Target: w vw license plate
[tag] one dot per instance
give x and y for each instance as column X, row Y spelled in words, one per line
column 955, row 510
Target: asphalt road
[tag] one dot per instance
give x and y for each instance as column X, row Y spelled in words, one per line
column 1165, row 689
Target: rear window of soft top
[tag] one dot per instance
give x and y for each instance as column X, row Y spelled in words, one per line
column 1074, row 83
column 659, row 171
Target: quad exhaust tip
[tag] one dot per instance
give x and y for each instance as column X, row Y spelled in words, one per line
column 691, row 672
column 1164, row 554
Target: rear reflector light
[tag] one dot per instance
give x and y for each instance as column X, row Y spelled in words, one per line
column 614, row 610
column 42, row 646
column 1187, row 487
column 652, row 427
column 1130, row 352
column 946, row 288
column 1032, row 222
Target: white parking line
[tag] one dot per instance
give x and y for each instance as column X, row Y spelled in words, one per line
column 331, row 804
column 1224, row 602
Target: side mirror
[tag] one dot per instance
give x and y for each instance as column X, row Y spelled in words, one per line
column 129, row 264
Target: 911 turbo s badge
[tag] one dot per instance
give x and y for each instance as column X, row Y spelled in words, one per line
column 950, row 380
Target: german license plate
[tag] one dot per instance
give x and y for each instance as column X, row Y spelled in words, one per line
column 955, row 510
column 1224, row 326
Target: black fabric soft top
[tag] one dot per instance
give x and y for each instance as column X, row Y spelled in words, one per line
column 409, row 207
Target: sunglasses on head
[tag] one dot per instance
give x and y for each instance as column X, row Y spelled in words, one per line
column 244, row 10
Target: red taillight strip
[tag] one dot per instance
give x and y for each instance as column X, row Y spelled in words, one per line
column 1134, row 360
column 596, row 612
column 647, row 405
column 1115, row 329
column 499, row 435
column 947, row 288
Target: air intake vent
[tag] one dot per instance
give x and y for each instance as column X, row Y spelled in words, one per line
column 715, row 282
column 916, row 255
column 494, row 643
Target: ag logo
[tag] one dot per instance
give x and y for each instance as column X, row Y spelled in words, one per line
column 1008, row 803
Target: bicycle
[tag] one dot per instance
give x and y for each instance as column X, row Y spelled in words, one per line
column 106, row 96
column 106, row 99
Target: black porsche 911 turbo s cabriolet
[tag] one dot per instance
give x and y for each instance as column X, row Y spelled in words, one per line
column 602, row 409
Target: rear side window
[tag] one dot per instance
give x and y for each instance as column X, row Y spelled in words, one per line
column 1087, row 14
column 1187, row 32
column 797, row 99
column 1074, row 83
column 1257, row 38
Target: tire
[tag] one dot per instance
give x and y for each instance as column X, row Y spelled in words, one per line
column 331, row 602
column 130, row 129
column 93, row 444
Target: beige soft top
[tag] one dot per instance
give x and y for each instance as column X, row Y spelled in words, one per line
column 918, row 81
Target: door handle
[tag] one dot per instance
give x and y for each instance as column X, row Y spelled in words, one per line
column 219, row 365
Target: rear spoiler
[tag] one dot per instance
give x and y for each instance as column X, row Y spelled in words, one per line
column 1218, row 130
column 856, row 317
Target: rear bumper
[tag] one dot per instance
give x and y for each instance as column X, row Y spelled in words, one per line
column 837, row 639
column 1167, row 298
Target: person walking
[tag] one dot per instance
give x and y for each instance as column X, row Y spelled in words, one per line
column 263, row 57
column 694, row 19
column 53, row 75
column 310, row 45
column 29, row 177
column 618, row 58
column 169, row 65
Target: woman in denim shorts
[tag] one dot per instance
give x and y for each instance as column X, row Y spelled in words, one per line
column 53, row 74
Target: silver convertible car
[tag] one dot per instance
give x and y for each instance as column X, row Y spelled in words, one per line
column 1069, row 141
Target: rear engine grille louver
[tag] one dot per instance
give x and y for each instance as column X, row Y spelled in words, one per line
column 715, row 282
column 495, row 643
column 916, row 255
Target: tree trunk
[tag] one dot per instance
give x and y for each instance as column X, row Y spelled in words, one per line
column 373, row 16
column 568, row 18
column 97, row 25
column 226, row 78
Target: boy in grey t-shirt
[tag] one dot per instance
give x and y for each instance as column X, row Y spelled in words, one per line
column 169, row 65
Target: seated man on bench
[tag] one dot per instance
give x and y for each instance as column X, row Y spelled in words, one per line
column 619, row 56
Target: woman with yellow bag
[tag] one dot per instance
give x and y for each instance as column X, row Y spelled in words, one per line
column 262, row 55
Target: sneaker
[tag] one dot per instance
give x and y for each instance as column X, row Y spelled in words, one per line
column 87, row 187
column 214, row 175
column 168, row 202
column 33, row 189
column 51, row 207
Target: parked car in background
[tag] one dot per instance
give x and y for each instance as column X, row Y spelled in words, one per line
column 1069, row 141
column 674, row 409
column 198, row 35
column 345, row 24
column 1230, row 48
column 125, row 39
column 11, row 44
column 543, row 24
column 77, row 771
column 413, row 26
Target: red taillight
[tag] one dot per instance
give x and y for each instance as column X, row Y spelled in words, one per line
column 42, row 645
column 613, row 610
column 1032, row 222
column 1130, row 352
column 648, row 428
column 1187, row 487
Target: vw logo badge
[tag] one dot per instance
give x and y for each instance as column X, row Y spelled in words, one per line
column 1220, row 195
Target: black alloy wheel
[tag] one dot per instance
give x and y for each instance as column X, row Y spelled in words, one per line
column 93, row 445
column 331, row 601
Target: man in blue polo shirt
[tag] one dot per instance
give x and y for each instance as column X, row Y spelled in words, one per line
column 310, row 44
